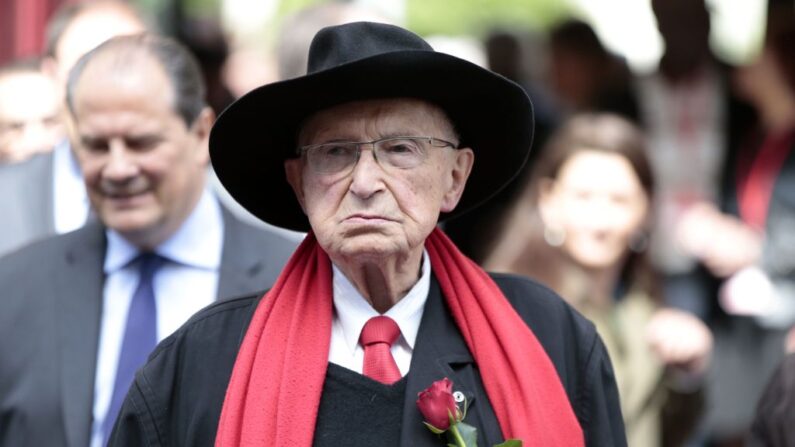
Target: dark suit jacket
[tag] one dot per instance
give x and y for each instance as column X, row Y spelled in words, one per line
column 164, row 408
column 50, row 311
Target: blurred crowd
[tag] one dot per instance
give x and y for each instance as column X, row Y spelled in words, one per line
column 660, row 205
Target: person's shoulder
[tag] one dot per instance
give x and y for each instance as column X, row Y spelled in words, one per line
column 49, row 250
column 276, row 241
column 568, row 338
column 219, row 326
column 540, row 306
column 181, row 387
column 26, row 168
column 577, row 352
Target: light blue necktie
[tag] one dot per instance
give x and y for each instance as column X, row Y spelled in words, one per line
column 140, row 336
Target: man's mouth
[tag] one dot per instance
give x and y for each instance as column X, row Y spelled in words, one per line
column 367, row 218
column 125, row 198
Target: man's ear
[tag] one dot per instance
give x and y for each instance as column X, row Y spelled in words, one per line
column 462, row 167
column 294, row 171
column 201, row 130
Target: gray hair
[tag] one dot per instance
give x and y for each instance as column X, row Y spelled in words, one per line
column 179, row 65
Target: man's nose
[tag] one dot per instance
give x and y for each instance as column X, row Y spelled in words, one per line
column 121, row 163
column 367, row 174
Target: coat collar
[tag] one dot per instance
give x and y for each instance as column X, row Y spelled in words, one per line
column 440, row 351
column 242, row 263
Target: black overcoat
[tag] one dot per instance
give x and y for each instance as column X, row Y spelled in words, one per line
column 177, row 397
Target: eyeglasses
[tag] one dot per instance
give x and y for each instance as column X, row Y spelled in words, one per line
column 394, row 152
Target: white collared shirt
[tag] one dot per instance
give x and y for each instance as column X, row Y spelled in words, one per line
column 69, row 196
column 183, row 285
column 351, row 312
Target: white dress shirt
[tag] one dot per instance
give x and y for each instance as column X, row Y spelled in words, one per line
column 351, row 312
column 70, row 200
column 187, row 282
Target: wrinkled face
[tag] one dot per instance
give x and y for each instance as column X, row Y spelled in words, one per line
column 598, row 200
column 29, row 115
column 375, row 212
column 143, row 167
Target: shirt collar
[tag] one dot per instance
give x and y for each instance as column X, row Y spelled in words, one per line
column 353, row 310
column 197, row 243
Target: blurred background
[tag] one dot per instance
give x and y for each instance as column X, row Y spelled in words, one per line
column 626, row 27
column 698, row 96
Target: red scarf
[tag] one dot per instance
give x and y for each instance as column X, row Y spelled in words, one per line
column 274, row 392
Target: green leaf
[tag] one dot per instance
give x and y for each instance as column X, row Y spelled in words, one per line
column 434, row 429
column 469, row 434
column 511, row 443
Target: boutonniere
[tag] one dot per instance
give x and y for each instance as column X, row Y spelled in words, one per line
column 443, row 416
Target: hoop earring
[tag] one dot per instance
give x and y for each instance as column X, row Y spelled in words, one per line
column 639, row 242
column 554, row 236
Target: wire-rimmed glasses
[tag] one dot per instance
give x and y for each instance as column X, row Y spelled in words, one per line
column 394, row 152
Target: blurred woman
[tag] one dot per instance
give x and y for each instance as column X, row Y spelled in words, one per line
column 592, row 191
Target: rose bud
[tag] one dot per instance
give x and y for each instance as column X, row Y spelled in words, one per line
column 436, row 403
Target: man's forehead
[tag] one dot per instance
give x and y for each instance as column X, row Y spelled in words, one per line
column 377, row 115
column 132, row 74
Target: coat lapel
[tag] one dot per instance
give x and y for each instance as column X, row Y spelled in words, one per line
column 78, row 300
column 241, row 262
column 440, row 352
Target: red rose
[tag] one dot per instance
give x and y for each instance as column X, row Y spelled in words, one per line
column 436, row 403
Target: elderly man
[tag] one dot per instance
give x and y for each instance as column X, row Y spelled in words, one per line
column 81, row 311
column 368, row 150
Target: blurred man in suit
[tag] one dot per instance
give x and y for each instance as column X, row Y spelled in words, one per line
column 46, row 194
column 82, row 311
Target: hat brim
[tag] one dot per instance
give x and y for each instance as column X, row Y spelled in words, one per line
column 255, row 135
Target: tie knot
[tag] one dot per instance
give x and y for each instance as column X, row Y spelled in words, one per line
column 380, row 329
column 148, row 263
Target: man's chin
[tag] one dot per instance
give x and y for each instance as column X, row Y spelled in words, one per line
column 367, row 244
column 129, row 222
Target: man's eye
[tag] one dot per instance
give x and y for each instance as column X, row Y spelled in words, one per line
column 142, row 143
column 336, row 150
column 95, row 145
column 401, row 147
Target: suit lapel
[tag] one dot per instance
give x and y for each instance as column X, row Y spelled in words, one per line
column 241, row 262
column 78, row 297
column 440, row 352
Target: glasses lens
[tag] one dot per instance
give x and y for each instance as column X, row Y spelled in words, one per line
column 332, row 157
column 401, row 152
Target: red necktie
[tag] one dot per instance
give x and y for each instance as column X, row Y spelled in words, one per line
column 377, row 337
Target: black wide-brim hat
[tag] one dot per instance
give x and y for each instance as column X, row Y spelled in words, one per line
column 255, row 135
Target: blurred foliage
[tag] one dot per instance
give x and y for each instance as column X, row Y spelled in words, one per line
column 465, row 17
column 425, row 17
column 475, row 17
column 287, row 7
column 201, row 8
